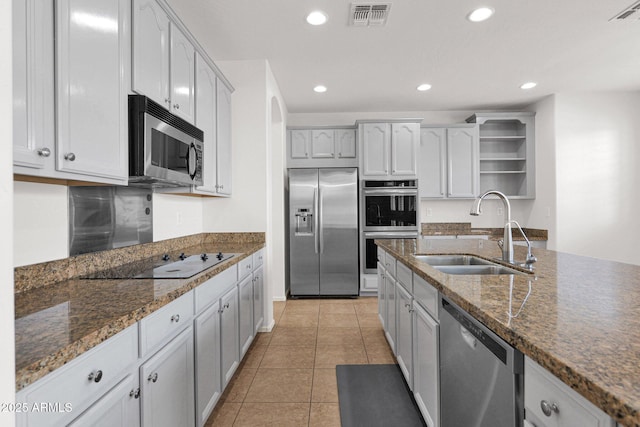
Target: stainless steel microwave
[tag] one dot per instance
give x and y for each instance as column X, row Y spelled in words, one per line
column 164, row 150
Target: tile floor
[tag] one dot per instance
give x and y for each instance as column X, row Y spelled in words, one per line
column 288, row 376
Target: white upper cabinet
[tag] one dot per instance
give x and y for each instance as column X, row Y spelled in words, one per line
column 33, row 85
column 223, row 139
column 389, row 149
column 346, row 143
column 91, row 46
column 182, row 75
column 206, row 121
column 321, row 147
column 322, row 143
column 151, row 51
column 300, row 141
column 163, row 60
column 404, row 148
column 448, row 162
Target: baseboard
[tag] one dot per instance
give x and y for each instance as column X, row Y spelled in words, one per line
column 279, row 298
column 267, row 328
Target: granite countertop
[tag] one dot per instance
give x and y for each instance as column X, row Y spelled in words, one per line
column 58, row 321
column 464, row 229
column 576, row 316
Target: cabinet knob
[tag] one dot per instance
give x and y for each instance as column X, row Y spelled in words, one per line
column 175, row 318
column 70, row 156
column 44, row 152
column 226, row 305
column 549, row 408
column 153, row 377
column 95, row 376
column 221, row 187
column 167, row 101
column 176, row 106
column 135, row 393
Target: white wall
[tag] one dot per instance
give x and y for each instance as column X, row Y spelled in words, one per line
column 176, row 216
column 597, row 154
column 7, row 338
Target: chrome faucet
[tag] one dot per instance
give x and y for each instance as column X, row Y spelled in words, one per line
column 507, row 240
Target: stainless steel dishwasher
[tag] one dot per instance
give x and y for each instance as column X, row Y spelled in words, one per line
column 481, row 376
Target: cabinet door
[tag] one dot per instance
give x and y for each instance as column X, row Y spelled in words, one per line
column 223, row 138
column 322, row 144
column 207, row 349
column 390, row 330
column 433, row 154
column 229, row 335
column 404, row 333
column 245, row 293
column 382, row 297
column 167, row 384
column 33, row 86
column 119, row 407
column 182, row 75
column 300, row 141
column 346, row 143
column 206, row 121
column 462, row 156
column 258, row 299
column 404, row 148
column 150, row 64
column 426, row 365
column 375, row 149
column 91, row 90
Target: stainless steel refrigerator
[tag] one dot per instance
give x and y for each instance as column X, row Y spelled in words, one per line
column 323, row 232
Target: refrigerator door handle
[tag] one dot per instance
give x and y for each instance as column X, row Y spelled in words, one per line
column 320, row 220
column 315, row 220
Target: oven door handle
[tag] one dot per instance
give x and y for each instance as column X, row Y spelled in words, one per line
column 392, row 192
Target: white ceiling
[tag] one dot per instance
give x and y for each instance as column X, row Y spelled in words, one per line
column 563, row 45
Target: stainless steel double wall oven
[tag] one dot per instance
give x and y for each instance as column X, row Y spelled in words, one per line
column 389, row 210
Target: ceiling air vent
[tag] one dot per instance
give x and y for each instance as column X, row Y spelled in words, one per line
column 630, row 13
column 369, row 15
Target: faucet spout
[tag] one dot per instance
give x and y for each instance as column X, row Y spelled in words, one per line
column 507, row 240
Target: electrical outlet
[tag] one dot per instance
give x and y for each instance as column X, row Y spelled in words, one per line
column 429, row 212
column 178, row 218
column 499, row 211
column 548, row 212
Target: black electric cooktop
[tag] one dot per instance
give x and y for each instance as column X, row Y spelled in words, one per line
column 182, row 267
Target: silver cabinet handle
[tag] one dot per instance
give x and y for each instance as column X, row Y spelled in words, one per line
column 549, row 408
column 70, row 156
column 226, row 305
column 135, row 393
column 176, row 106
column 153, row 377
column 167, row 100
column 175, row 318
column 95, row 376
column 44, row 152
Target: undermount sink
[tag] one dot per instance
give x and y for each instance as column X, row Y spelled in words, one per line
column 465, row 264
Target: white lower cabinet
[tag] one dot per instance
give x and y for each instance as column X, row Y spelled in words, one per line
column 229, row 335
column 382, row 297
column 549, row 402
column 167, row 384
column 119, row 407
column 404, row 333
column 258, row 299
column 207, row 368
column 390, row 296
column 426, row 367
column 245, row 294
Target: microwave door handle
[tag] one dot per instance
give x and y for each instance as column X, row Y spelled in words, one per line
column 192, row 147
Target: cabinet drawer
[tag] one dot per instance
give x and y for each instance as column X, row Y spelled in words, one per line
column 403, row 274
column 390, row 264
column 211, row 290
column 245, row 267
column 258, row 258
column 573, row 409
column 426, row 295
column 83, row 380
column 159, row 326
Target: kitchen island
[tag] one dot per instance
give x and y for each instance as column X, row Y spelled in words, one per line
column 575, row 316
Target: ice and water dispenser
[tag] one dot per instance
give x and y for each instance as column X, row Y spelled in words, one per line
column 304, row 222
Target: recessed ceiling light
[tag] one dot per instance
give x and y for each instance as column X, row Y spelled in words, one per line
column 316, row 18
column 528, row 85
column 423, row 87
column 320, row 89
column 480, row 14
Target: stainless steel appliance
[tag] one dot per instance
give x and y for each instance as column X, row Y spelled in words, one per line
column 369, row 249
column 164, row 150
column 481, row 376
column 323, row 231
column 390, row 205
